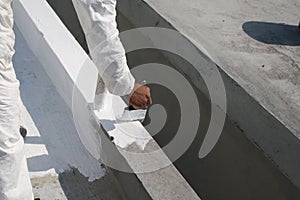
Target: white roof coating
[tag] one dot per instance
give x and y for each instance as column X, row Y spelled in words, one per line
column 52, row 145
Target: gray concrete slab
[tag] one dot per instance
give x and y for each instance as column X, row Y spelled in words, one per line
column 235, row 169
column 76, row 186
column 47, row 188
column 287, row 191
column 72, row 185
column 279, row 142
column 256, row 42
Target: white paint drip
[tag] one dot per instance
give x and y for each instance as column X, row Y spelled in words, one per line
column 132, row 115
column 126, row 132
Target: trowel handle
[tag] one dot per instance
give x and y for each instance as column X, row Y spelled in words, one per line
column 130, row 107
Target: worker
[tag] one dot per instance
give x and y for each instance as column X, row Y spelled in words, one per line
column 14, row 177
column 98, row 22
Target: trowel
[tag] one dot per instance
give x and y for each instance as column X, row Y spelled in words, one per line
column 131, row 114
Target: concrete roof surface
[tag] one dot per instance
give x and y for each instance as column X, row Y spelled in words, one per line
column 256, row 42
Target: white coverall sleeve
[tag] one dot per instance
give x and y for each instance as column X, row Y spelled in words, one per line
column 14, row 178
column 98, row 20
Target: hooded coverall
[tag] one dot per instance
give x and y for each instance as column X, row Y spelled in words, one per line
column 97, row 18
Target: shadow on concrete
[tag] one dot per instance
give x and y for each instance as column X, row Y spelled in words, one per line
column 67, row 14
column 76, row 186
column 273, row 33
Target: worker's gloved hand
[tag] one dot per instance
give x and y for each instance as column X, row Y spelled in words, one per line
column 140, row 96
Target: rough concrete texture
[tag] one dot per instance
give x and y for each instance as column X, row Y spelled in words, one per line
column 163, row 183
column 256, row 42
column 76, row 186
column 278, row 143
column 235, row 169
column 72, row 185
column 48, row 188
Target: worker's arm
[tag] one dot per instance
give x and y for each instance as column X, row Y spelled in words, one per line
column 98, row 20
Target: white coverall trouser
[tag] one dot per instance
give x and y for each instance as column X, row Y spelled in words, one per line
column 14, row 178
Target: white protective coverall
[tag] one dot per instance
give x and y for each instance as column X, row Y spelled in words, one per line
column 98, row 20
column 14, row 178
